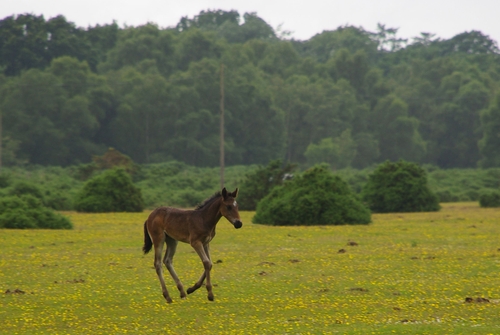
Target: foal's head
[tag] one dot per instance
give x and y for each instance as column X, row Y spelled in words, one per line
column 229, row 207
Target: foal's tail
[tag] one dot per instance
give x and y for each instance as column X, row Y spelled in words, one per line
column 148, row 244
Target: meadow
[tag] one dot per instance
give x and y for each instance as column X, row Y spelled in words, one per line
column 411, row 273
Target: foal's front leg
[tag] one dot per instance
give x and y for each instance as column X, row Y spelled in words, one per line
column 204, row 253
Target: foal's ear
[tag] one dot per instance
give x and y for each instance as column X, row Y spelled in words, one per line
column 235, row 193
column 224, row 193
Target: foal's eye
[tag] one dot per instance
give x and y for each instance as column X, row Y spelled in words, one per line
column 229, row 208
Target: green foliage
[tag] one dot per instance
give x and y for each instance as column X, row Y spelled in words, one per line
column 172, row 183
column 62, row 112
column 27, row 212
column 489, row 145
column 111, row 191
column 337, row 152
column 50, row 195
column 227, row 25
column 317, row 197
column 258, row 183
column 23, row 187
column 399, row 187
column 463, row 184
column 4, row 180
column 491, row 199
column 177, row 184
column 349, row 97
column 396, row 131
column 326, row 44
column 112, row 158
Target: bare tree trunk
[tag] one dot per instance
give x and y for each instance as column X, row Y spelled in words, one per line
column 1, row 143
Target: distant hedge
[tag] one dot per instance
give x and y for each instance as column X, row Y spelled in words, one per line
column 111, row 191
column 27, row 211
column 317, row 197
column 399, row 187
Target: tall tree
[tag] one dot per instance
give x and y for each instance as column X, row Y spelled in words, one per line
column 29, row 41
column 135, row 45
column 23, row 43
column 255, row 124
column 139, row 128
column 387, row 39
column 396, row 132
column 459, row 121
column 51, row 113
column 489, row 145
column 325, row 45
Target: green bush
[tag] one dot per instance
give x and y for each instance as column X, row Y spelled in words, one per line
column 28, row 212
column 179, row 185
column 491, row 199
column 317, row 197
column 257, row 184
column 447, row 196
column 111, row 191
column 23, row 187
column 58, row 200
column 50, row 195
column 4, row 180
column 399, row 187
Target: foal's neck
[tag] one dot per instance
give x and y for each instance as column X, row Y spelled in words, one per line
column 212, row 213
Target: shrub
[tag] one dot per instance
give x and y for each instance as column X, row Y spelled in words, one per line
column 49, row 195
column 317, row 197
column 58, row 200
column 447, row 196
column 111, row 159
column 399, row 187
column 22, row 187
column 111, row 191
column 114, row 158
column 257, row 184
column 491, row 199
column 26, row 211
column 189, row 198
column 4, row 180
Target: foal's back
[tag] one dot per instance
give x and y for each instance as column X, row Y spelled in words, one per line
column 176, row 223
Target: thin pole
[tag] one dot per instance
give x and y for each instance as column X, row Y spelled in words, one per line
column 1, row 140
column 221, row 126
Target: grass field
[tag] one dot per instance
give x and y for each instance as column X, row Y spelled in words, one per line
column 403, row 274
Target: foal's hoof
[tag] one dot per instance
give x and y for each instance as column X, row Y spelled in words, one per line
column 191, row 290
column 211, row 297
column 167, row 298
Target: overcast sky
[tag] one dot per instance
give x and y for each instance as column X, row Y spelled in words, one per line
column 445, row 18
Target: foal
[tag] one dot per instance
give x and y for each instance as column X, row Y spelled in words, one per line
column 196, row 227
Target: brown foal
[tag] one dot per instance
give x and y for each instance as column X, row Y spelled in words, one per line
column 196, row 227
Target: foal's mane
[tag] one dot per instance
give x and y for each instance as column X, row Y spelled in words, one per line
column 208, row 201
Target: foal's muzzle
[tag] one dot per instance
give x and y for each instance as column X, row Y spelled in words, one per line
column 237, row 224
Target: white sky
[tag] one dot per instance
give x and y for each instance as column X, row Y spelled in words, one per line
column 445, row 18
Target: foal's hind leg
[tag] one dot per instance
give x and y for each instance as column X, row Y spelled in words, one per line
column 204, row 253
column 158, row 246
column 168, row 261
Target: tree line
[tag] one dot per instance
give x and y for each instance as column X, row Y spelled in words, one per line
column 348, row 97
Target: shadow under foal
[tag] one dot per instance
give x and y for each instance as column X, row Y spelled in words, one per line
column 196, row 227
